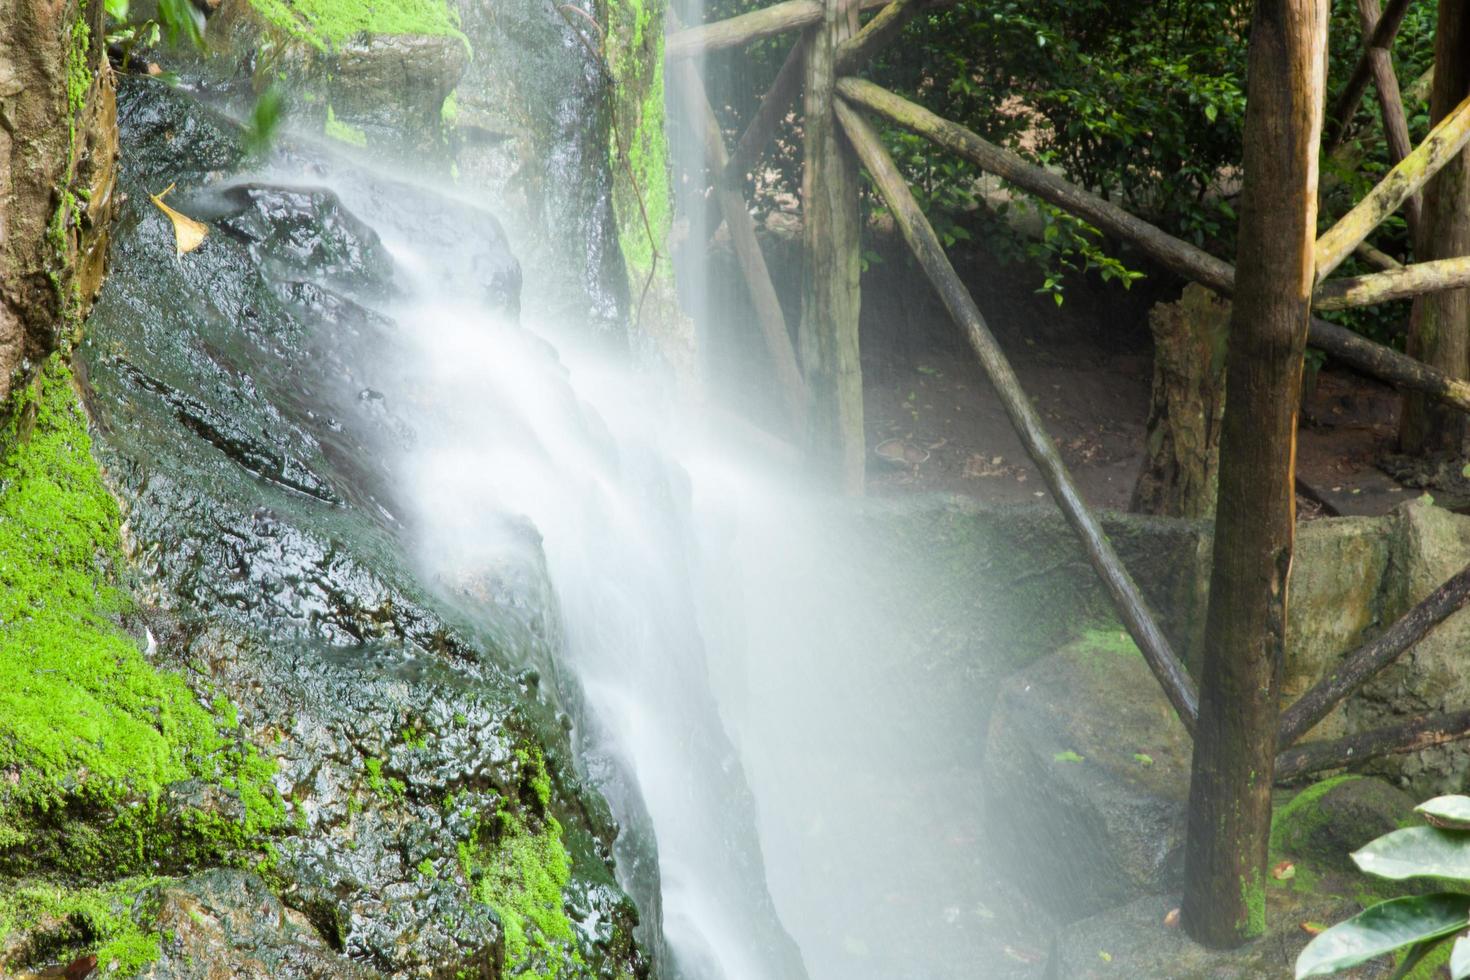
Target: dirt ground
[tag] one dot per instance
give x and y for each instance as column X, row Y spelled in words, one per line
column 935, row 424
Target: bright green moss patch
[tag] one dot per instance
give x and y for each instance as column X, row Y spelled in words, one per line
column 95, row 920
column 326, row 24
column 1293, row 822
column 83, row 717
column 521, row 873
column 345, row 132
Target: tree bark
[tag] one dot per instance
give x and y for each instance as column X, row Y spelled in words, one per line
column 831, row 265
column 1229, row 819
column 1439, row 329
column 1180, row 476
column 1364, row 663
column 1421, row 279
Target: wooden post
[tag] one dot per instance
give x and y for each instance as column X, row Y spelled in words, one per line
column 1441, row 148
column 1229, row 819
column 1390, row 102
column 1439, row 329
column 831, row 264
column 1140, row 621
column 1178, row 256
column 1385, row 29
column 763, row 298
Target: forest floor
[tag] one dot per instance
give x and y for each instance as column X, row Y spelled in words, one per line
column 935, row 424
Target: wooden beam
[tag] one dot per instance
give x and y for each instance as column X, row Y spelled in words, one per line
column 1179, row 257
column 773, row 108
column 1390, row 105
column 1442, row 145
column 1174, row 254
column 1381, row 261
column 1408, row 736
column 827, row 337
column 1406, row 281
column 855, row 52
column 1364, row 663
column 747, row 248
column 734, row 32
column 1129, row 601
column 1346, row 104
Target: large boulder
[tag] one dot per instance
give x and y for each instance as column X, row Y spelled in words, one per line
column 1088, row 774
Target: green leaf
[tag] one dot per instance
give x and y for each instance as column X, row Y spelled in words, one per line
column 264, row 120
column 1460, row 959
column 1447, row 812
column 1067, row 756
column 1143, row 758
column 1382, row 929
column 117, row 10
column 1417, row 852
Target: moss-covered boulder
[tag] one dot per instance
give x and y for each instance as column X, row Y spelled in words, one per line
column 354, row 71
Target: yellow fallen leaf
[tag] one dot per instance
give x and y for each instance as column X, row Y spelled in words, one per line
column 188, row 233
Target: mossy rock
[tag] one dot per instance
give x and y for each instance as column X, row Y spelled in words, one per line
column 1088, row 773
column 1324, row 823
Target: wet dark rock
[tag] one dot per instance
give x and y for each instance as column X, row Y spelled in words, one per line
column 228, row 923
column 236, row 399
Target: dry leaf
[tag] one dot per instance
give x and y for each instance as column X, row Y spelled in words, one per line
column 1171, row 920
column 1313, row 928
column 188, row 233
column 1284, row 871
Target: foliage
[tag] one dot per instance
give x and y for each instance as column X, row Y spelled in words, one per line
column 175, row 20
column 1417, row 925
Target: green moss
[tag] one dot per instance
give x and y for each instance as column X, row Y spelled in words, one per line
column 1253, row 898
column 99, row 920
column 639, row 150
column 387, row 787
column 449, row 111
column 519, row 866
column 325, row 24
column 83, row 717
column 345, row 132
column 1296, row 820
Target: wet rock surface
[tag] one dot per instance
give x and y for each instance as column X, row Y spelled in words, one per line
column 418, row 754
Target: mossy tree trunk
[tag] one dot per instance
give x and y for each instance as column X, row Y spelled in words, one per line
column 58, row 146
column 1235, row 739
column 1180, row 477
column 832, row 261
column 1439, row 328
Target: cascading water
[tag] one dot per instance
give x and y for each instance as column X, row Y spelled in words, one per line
column 729, row 632
column 751, row 671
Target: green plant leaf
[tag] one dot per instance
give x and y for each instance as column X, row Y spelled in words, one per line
column 1417, row 852
column 1067, row 756
column 1460, row 959
column 1382, row 929
column 1447, row 812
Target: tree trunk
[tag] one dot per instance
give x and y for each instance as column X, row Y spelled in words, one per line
column 1235, row 740
column 1181, row 474
column 828, row 338
column 1439, row 329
